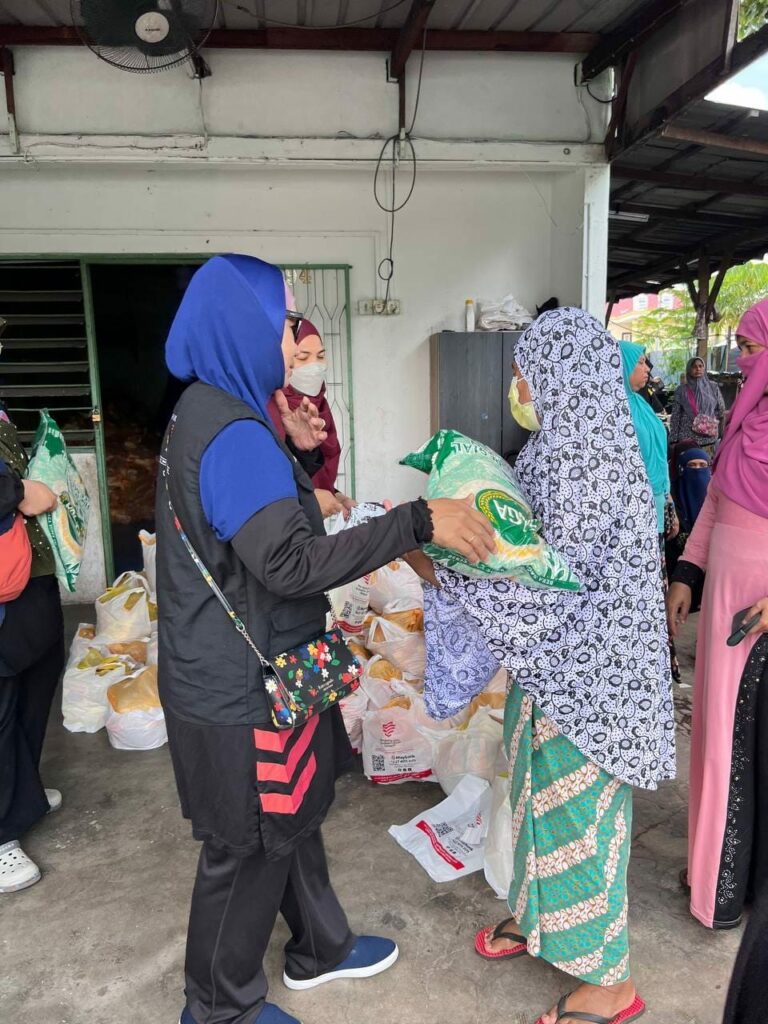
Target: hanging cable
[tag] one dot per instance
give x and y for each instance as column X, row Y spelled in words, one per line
column 386, row 267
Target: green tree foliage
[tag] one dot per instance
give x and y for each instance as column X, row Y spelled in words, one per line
column 671, row 331
column 753, row 14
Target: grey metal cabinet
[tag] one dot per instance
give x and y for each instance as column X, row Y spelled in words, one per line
column 470, row 377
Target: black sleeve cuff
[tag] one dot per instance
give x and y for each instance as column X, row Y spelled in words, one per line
column 689, row 574
column 423, row 527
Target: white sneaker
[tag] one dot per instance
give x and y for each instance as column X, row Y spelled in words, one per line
column 54, row 799
column 17, row 870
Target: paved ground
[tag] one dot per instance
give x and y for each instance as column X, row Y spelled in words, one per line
column 100, row 940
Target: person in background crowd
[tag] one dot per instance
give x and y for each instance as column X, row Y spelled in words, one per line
column 693, row 472
column 589, row 711
column 654, row 391
column 698, row 408
column 257, row 796
column 727, row 839
column 652, row 437
column 308, row 380
column 31, row 662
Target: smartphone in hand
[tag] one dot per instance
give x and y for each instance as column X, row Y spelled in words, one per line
column 740, row 628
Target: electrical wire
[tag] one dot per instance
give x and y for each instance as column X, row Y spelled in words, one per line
column 315, row 28
column 201, row 105
column 386, row 267
column 607, row 103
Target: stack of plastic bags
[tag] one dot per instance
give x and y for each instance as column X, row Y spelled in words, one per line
column 111, row 676
column 386, row 718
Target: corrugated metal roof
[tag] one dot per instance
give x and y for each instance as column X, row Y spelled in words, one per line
column 471, row 15
column 656, row 223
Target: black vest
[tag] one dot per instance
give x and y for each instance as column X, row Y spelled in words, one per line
column 207, row 672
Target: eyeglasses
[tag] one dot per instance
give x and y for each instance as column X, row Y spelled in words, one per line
column 296, row 322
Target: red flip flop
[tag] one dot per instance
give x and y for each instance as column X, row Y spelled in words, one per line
column 484, row 950
column 632, row 1012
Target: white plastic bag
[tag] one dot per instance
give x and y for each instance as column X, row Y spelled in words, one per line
column 394, row 748
column 350, row 605
column 84, row 703
column 82, row 640
column 395, row 588
column 149, row 556
column 406, row 651
column 504, row 315
column 499, row 864
column 137, row 730
column 448, row 840
column 126, row 611
column 473, row 750
column 353, row 709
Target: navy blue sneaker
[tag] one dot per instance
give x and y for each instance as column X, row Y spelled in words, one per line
column 270, row 1014
column 370, row 956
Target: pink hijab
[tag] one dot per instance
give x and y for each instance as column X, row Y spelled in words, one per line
column 741, row 465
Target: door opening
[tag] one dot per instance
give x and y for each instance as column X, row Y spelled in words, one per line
column 133, row 308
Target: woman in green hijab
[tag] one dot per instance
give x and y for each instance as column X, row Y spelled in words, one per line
column 650, row 430
column 652, row 436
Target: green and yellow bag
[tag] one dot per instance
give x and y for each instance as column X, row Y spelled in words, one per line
column 458, row 467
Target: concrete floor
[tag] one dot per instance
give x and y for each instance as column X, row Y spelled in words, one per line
column 101, row 939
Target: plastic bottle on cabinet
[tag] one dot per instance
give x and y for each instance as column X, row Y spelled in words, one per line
column 469, row 315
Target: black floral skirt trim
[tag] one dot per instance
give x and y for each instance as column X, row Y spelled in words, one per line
column 743, row 868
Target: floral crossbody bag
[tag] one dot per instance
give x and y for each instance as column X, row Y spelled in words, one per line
column 703, row 425
column 301, row 682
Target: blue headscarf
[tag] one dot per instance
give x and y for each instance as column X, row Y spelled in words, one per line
column 692, row 486
column 650, row 432
column 228, row 330
column 228, row 333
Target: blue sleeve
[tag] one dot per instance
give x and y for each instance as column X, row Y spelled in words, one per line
column 242, row 471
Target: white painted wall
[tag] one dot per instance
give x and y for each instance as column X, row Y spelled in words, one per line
column 308, row 95
column 486, row 218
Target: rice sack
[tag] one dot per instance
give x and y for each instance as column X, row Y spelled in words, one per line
column 458, row 467
column 65, row 527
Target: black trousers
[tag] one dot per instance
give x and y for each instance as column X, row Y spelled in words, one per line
column 235, row 904
column 25, row 704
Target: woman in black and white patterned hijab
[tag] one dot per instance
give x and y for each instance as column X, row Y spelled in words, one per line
column 596, row 661
column 589, row 711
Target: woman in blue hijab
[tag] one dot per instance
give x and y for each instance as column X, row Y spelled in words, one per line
column 257, row 796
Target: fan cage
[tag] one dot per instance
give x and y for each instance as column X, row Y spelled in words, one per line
column 136, row 59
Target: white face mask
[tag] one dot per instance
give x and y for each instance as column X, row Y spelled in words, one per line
column 308, row 378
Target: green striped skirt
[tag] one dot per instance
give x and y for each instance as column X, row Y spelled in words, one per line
column 571, row 832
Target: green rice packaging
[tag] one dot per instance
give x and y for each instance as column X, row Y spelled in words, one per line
column 459, row 467
column 65, row 527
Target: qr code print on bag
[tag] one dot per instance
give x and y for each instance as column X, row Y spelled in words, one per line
column 377, row 763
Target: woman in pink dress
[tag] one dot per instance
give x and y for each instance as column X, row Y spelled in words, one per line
column 728, row 817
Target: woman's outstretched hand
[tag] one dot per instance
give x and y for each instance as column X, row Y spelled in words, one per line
column 303, row 425
column 460, row 527
column 678, row 606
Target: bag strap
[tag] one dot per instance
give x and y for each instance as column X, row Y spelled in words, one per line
column 692, row 400
column 237, row 622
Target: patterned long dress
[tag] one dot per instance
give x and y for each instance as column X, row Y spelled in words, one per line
column 571, row 831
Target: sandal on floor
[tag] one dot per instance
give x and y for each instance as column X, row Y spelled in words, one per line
column 490, row 934
column 632, row 1012
column 683, row 876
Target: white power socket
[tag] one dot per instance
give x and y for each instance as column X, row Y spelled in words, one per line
column 378, row 307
